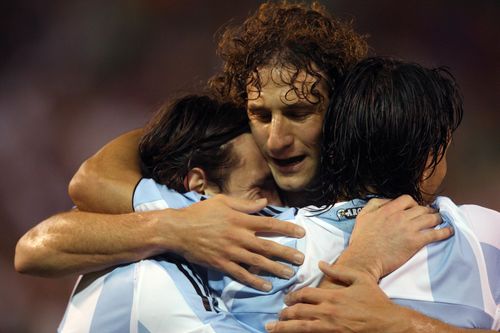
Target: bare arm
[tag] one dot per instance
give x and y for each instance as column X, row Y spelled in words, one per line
column 80, row 242
column 105, row 182
column 217, row 233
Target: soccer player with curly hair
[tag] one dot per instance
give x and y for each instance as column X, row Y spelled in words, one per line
column 283, row 64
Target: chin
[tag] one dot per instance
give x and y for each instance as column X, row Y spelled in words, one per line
column 292, row 184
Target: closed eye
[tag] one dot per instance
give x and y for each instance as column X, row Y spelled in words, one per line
column 260, row 114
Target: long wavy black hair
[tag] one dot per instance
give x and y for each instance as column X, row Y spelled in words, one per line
column 384, row 120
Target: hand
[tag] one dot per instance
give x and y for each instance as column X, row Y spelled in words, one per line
column 356, row 305
column 389, row 232
column 219, row 233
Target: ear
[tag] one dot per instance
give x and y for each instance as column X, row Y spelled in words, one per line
column 197, row 180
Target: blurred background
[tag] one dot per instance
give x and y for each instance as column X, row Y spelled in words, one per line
column 75, row 74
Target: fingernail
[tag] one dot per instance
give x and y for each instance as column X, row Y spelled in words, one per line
column 287, row 299
column 270, row 326
column 267, row 286
column 287, row 272
column 300, row 232
column 298, row 258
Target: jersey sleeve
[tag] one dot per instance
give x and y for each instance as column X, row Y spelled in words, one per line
column 149, row 195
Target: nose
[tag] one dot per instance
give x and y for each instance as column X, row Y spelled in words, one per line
column 280, row 135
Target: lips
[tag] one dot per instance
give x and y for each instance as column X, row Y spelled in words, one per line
column 288, row 165
column 289, row 161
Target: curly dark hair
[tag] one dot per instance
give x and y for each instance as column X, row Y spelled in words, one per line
column 192, row 131
column 296, row 35
column 384, row 121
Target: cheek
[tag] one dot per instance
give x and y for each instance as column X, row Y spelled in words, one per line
column 260, row 134
column 311, row 136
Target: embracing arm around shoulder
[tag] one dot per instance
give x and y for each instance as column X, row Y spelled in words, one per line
column 105, row 182
column 81, row 242
column 216, row 233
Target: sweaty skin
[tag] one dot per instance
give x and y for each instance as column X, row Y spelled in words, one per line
column 286, row 124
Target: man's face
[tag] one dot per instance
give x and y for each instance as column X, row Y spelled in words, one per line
column 287, row 125
column 251, row 178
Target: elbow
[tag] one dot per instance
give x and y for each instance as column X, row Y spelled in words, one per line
column 80, row 185
column 24, row 263
column 33, row 257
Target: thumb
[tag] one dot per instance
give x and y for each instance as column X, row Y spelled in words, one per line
column 344, row 275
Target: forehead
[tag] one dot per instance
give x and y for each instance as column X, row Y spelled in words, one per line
column 285, row 84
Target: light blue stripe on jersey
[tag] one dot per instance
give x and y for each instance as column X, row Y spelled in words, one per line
column 452, row 264
column 453, row 314
column 492, row 255
column 114, row 306
column 148, row 190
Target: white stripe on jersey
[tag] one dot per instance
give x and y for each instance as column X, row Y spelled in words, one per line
column 80, row 310
column 442, row 280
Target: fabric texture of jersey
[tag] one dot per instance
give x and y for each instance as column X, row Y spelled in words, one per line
column 455, row 281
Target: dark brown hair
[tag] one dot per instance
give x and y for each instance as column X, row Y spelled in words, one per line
column 296, row 35
column 384, row 121
column 192, row 131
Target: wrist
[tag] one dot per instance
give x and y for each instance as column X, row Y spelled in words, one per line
column 163, row 235
column 361, row 262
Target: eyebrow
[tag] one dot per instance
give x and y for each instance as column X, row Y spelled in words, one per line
column 288, row 107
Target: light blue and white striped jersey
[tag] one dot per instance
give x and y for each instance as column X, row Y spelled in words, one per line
column 455, row 281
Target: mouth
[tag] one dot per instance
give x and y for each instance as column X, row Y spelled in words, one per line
column 288, row 164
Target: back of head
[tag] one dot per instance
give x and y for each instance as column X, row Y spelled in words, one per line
column 192, row 131
column 297, row 35
column 385, row 120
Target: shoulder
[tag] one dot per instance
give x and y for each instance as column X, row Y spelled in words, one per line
column 149, row 195
column 484, row 222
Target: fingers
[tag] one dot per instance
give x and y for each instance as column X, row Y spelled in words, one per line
column 271, row 249
column 270, row 225
column 427, row 221
column 243, row 276
column 401, row 203
column 306, row 295
column 260, row 263
column 417, row 212
column 299, row 311
column 292, row 326
column 373, row 205
column 434, row 235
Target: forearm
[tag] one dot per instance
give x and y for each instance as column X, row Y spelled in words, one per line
column 414, row 322
column 105, row 182
column 348, row 288
column 81, row 242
